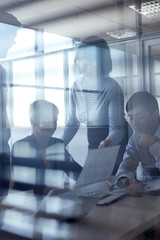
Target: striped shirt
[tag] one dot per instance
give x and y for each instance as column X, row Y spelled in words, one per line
column 96, row 105
column 134, row 154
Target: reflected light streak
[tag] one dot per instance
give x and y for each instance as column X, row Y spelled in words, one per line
column 18, row 223
column 23, row 200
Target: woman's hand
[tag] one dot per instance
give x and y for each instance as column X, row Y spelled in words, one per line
column 104, row 143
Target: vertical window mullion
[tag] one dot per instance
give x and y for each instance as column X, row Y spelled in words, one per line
column 39, row 69
column 10, row 95
column 66, row 82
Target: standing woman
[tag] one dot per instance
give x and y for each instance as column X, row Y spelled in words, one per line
column 96, row 99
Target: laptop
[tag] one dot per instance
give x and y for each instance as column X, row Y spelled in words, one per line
column 89, row 189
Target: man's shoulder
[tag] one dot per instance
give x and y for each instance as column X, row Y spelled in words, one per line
column 132, row 142
column 25, row 147
column 24, row 140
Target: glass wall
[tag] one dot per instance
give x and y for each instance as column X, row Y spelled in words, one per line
column 95, row 55
column 152, row 63
column 41, row 66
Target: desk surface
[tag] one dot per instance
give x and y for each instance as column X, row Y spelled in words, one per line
column 124, row 219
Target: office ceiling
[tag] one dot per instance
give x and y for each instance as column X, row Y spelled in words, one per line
column 81, row 18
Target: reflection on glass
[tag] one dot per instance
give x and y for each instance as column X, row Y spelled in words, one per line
column 22, row 99
column 53, row 70
column 53, row 42
column 124, row 70
column 154, row 52
column 24, row 44
column 54, row 178
column 24, row 72
column 18, row 223
column 39, row 160
column 24, row 174
column 57, row 96
column 9, row 33
column 73, row 73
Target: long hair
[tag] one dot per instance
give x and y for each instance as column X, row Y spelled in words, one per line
column 96, row 48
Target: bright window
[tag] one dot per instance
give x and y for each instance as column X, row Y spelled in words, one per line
column 23, row 97
column 24, row 72
column 53, row 70
column 54, row 42
column 24, row 44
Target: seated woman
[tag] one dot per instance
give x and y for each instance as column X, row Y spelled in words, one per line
column 40, row 161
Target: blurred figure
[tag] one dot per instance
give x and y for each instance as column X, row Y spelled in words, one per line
column 96, row 100
column 8, row 33
column 40, row 160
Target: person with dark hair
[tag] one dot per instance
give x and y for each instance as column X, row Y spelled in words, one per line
column 142, row 156
column 39, row 161
column 144, row 99
column 8, row 33
column 96, row 100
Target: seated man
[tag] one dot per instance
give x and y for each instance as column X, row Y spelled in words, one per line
column 144, row 144
column 40, row 161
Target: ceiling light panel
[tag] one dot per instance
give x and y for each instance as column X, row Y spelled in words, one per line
column 149, row 9
column 123, row 33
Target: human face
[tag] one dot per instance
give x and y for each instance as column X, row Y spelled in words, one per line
column 45, row 130
column 81, row 65
column 86, row 61
column 87, row 68
column 142, row 121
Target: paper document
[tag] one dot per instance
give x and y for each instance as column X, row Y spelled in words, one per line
column 91, row 186
column 112, row 196
column 98, row 166
column 152, row 185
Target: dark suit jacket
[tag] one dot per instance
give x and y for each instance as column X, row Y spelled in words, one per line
column 27, row 162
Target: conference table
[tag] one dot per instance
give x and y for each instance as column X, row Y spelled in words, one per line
column 126, row 219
